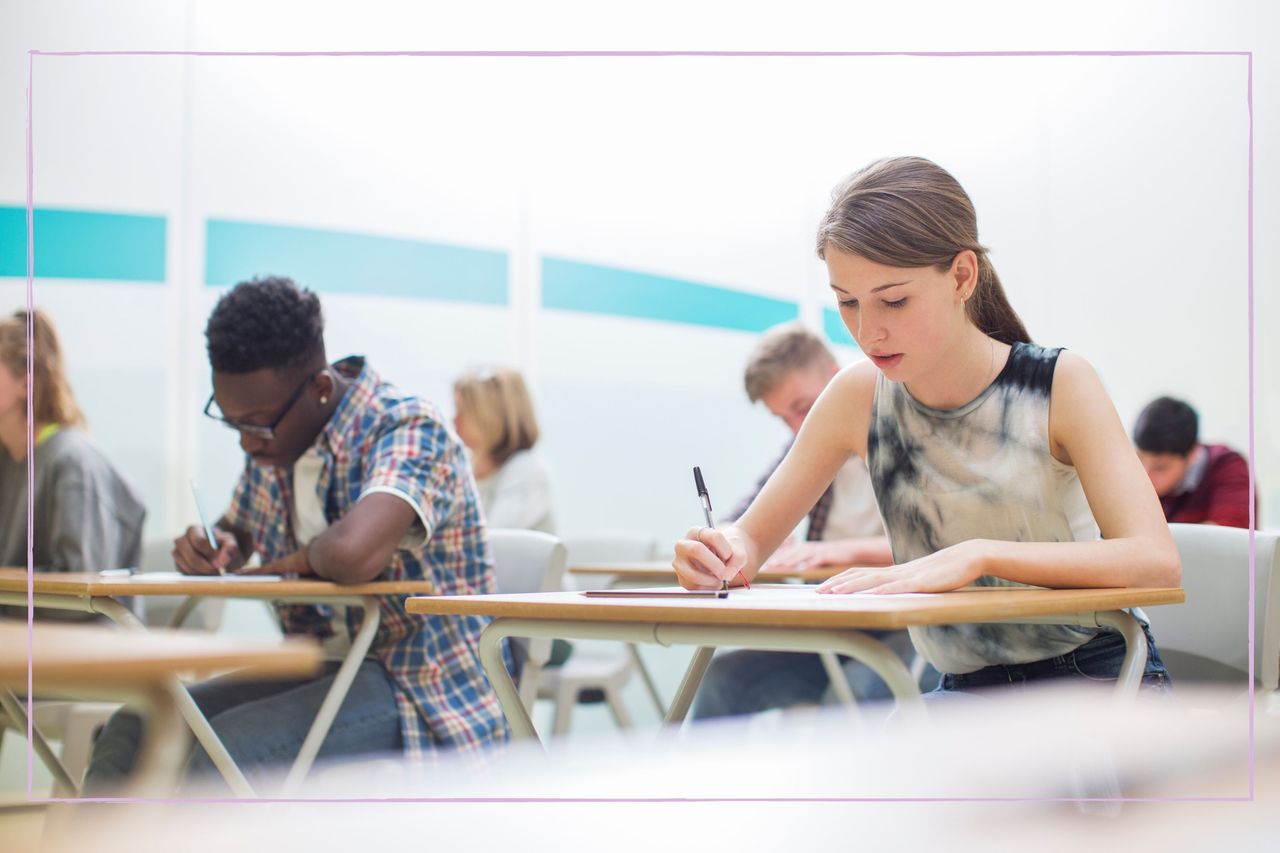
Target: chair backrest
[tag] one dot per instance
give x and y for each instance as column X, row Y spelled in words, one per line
column 606, row 547
column 157, row 610
column 1206, row 639
column 611, row 547
column 527, row 560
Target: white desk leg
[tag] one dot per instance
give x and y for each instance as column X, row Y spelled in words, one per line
column 649, row 686
column 1134, row 665
column 163, row 750
column 875, row 654
column 1135, row 651
column 880, row 658
column 64, row 785
column 835, row 674
column 182, row 611
column 186, row 706
column 496, row 669
column 683, row 699
column 360, row 645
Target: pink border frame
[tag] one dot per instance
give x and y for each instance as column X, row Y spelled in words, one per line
column 30, row 172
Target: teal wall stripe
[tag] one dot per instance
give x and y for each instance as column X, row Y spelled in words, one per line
column 84, row 244
column 343, row 262
column 835, row 329
column 574, row 286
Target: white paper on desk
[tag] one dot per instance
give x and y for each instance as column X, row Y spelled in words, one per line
column 176, row 577
column 792, row 591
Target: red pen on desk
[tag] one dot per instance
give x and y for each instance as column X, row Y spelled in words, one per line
column 706, row 508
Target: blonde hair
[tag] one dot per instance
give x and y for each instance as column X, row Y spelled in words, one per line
column 780, row 351
column 497, row 405
column 910, row 212
column 50, row 393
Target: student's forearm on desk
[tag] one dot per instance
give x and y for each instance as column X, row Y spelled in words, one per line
column 1102, row 563
column 359, row 546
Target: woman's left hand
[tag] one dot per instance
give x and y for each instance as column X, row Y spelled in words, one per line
column 951, row 568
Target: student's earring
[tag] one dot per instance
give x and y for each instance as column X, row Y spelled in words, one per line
column 323, row 399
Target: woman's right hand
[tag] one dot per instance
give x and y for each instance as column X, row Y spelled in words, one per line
column 706, row 556
column 193, row 555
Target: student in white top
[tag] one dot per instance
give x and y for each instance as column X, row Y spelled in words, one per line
column 495, row 420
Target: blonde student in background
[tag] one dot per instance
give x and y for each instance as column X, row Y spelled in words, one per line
column 995, row 461
column 87, row 516
column 494, row 417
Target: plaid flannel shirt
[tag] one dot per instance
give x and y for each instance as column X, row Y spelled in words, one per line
column 380, row 440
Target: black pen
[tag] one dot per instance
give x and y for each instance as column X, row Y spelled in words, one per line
column 706, row 509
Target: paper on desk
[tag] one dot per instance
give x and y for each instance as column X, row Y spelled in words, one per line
column 787, row 590
column 175, row 577
column 790, row 592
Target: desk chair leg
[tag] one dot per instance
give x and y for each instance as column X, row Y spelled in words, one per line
column 839, row 685
column 566, row 701
column 360, row 645
column 163, row 751
column 538, row 652
column 1135, row 642
column 649, row 686
column 182, row 611
column 918, row 663
column 495, row 667
column 1135, row 652
column 63, row 784
column 855, row 644
column 187, row 707
column 619, row 709
column 689, row 685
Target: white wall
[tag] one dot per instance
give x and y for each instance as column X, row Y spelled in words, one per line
column 1111, row 190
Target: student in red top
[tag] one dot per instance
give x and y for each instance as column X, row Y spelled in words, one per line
column 1197, row 483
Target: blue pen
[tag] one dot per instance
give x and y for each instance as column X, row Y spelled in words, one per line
column 204, row 522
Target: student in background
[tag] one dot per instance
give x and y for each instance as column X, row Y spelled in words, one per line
column 786, row 371
column 87, row 516
column 1197, row 483
column 995, row 461
column 349, row 480
column 495, row 420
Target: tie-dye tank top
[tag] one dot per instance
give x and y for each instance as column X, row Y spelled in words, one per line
column 982, row 471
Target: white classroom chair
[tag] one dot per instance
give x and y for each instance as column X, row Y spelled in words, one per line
column 528, row 561
column 1206, row 639
column 601, row 673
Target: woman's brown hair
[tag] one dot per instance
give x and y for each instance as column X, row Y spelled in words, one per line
column 910, row 212
column 496, row 402
column 51, row 399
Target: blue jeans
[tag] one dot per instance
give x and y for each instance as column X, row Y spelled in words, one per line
column 1098, row 660
column 749, row 681
column 262, row 724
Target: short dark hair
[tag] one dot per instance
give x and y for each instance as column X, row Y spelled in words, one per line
column 1167, row 425
column 265, row 322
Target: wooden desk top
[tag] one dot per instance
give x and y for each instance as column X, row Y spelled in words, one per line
column 89, row 655
column 660, row 570
column 93, row 585
column 792, row 606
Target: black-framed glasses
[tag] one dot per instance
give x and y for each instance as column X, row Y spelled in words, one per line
column 266, row 432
